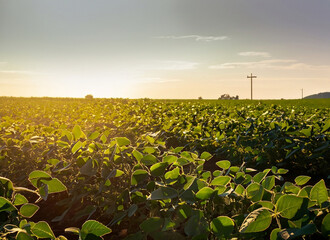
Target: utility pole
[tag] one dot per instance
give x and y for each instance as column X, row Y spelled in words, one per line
column 302, row 93
column 251, row 83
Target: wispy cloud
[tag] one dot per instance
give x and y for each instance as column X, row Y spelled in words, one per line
column 158, row 80
column 171, row 65
column 255, row 54
column 284, row 64
column 21, row 72
column 197, row 38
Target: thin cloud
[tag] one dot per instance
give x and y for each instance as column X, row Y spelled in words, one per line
column 284, row 64
column 255, row 54
column 18, row 72
column 196, row 38
column 159, row 80
column 172, row 65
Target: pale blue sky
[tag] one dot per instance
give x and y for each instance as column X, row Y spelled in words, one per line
column 164, row 49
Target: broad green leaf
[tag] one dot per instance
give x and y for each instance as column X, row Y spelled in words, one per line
column 132, row 209
column 306, row 132
column 6, row 205
column 138, row 156
column 158, row 169
column 260, row 176
column 170, row 159
column 28, row 210
column 222, row 226
column 282, row 171
column 78, row 133
column 301, row 180
column 289, row 205
column 88, row 169
column 138, row 176
column 326, row 225
column 54, row 185
column 319, row 193
column 204, row 193
column 23, row 236
column 42, row 230
column 275, row 234
column 255, row 192
column 221, row 180
column 20, row 199
column 152, row 224
column 163, row 193
column 122, row 141
column 291, row 233
column 257, row 221
column 240, row 190
column 38, row 175
column 196, row 225
column 149, row 159
column 94, row 228
column 269, row 182
column 76, row 147
column 224, row 164
column 94, row 135
column 6, row 187
column 206, row 156
column 173, row 174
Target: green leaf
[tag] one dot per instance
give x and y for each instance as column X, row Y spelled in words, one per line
column 163, row 193
column 269, row 182
column 20, row 199
column 170, row 159
column 149, row 159
column 88, row 169
column 6, row 187
column 224, row 164
column 173, row 174
column 196, row 225
column 301, row 180
column 291, row 233
column 54, row 185
column 38, row 175
column 319, row 193
column 132, row 209
column 76, row 147
column 158, row 169
column 257, row 221
column 28, row 210
column 222, row 226
column 72, row 230
column 255, row 192
column 94, row 135
column 326, row 225
column 94, row 228
column 6, row 205
column 206, row 156
column 42, row 230
column 204, row 193
column 274, row 234
column 138, row 176
column 138, row 156
column 152, row 224
column 23, row 236
column 122, row 141
column 288, row 206
column 78, row 133
column 221, row 180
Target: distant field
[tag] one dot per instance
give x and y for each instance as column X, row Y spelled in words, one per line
column 167, row 168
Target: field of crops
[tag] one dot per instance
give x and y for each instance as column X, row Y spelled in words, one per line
column 164, row 169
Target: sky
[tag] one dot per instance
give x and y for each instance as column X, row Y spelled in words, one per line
column 172, row 49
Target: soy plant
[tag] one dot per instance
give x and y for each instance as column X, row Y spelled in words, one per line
column 15, row 210
column 171, row 196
